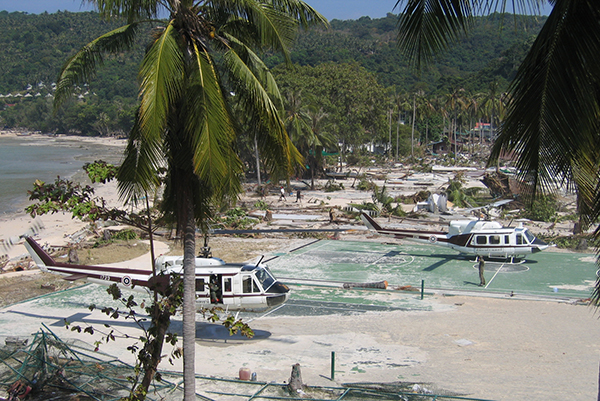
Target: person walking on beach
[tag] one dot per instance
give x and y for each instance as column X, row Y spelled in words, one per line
column 282, row 194
column 481, row 269
column 298, row 196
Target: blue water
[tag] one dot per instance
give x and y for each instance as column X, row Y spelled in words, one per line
column 25, row 159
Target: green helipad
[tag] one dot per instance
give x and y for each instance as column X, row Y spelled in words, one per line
column 550, row 274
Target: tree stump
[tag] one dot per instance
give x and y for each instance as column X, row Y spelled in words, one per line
column 268, row 215
column 295, row 384
column 73, row 257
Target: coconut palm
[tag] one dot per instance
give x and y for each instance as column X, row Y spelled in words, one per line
column 491, row 105
column 200, row 61
column 304, row 124
column 455, row 103
column 425, row 110
column 553, row 105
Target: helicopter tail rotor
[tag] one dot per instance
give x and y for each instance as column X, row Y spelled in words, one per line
column 34, row 229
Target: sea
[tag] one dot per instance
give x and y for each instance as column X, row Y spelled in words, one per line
column 24, row 159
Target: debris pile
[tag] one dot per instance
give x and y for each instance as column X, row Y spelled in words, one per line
column 50, row 369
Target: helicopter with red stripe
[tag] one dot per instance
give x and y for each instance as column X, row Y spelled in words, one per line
column 235, row 287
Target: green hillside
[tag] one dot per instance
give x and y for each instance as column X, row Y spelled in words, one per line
column 34, row 47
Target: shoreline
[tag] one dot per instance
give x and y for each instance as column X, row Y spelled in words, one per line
column 80, row 138
column 58, row 225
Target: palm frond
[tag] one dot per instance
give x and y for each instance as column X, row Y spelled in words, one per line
column 82, row 66
column 138, row 173
column 211, row 126
column 279, row 152
column 552, row 115
column 425, row 27
column 161, row 75
column 302, row 12
column 131, row 10
column 298, row 128
column 271, row 28
column 258, row 68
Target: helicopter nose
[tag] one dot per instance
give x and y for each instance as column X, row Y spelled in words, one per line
column 538, row 245
column 274, row 300
column 281, row 293
column 278, row 288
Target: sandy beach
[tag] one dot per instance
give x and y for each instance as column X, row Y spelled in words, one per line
column 497, row 349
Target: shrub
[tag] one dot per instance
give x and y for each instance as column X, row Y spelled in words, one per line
column 543, row 208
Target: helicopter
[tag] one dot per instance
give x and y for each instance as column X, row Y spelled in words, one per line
column 488, row 239
column 235, row 287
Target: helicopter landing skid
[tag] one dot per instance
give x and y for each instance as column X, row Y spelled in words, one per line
column 507, row 261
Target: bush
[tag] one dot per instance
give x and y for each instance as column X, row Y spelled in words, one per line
column 236, row 218
column 125, row 235
column 365, row 185
column 332, row 186
column 543, row 208
column 261, row 205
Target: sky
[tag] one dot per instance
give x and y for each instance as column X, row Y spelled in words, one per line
column 331, row 9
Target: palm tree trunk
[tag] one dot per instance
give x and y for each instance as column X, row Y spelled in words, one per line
column 412, row 132
column 390, row 134
column 397, row 136
column 257, row 161
column 189, row 303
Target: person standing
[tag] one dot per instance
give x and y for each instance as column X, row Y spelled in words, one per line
column 282, row 194
column 481, row 269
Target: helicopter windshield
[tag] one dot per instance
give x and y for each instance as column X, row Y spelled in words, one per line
column 530, row 237
column 263, row 275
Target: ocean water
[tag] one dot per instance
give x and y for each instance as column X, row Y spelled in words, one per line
column 24, row 159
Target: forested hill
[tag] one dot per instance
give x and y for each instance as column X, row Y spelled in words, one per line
column 34, row 47
column 496, row 45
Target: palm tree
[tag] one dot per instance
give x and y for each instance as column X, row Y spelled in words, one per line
column 318, row 140
column 552, row 117
column 303, row 123
column 455, row 104
column 201, row 60
column 491, row 104
column 426, row 109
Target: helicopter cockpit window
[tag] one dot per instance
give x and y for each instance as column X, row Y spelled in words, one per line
column 494, row 239
column 519, row 239
column 529, row 236
column 199, row 285
column 263, row 275
column 481, row 240
column 249, row 285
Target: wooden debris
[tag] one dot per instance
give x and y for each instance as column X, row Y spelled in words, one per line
column 380, row 285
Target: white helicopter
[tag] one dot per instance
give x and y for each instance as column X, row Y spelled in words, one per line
column 235, row 287
column 476, row 237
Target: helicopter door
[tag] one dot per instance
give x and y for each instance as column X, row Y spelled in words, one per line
column 227, row 290
column 202, row 293
column 216, row 289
